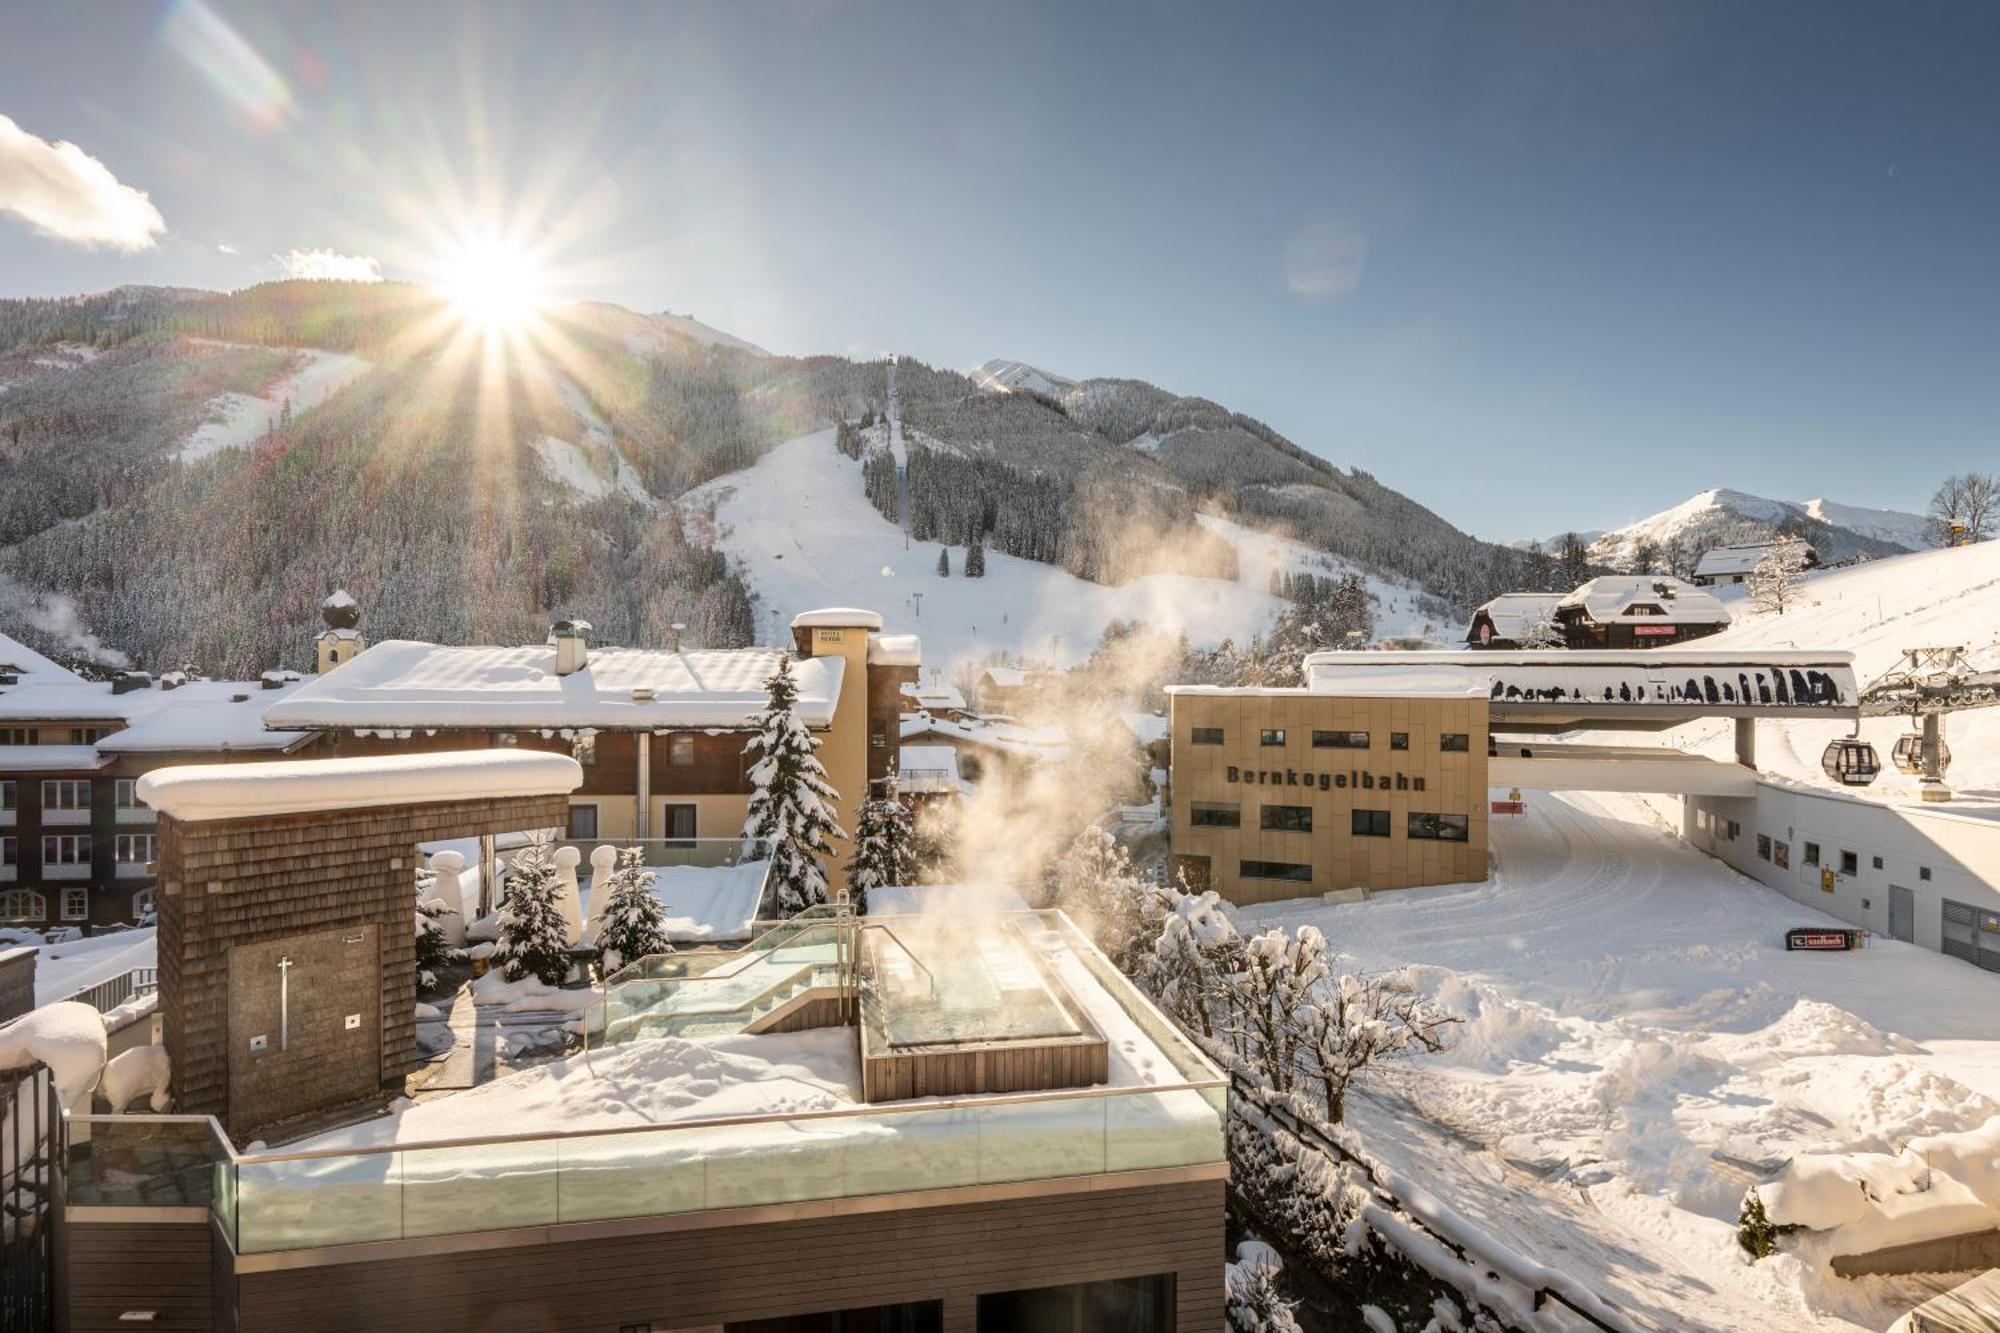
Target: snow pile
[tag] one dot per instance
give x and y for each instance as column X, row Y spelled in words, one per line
column 61, row 970
column 141, row 1070
column 1938, row 1186
column 528, row 995
column 68, row 1037
column 234, row 791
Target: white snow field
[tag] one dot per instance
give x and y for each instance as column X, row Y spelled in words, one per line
column 803, row 534
column 1877, row 610
column 65, row 969
column 237, row 419
column 1638, row 1048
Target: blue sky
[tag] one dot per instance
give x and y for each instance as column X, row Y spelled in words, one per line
column 1537, row 265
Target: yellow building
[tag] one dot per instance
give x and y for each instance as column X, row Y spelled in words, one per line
column 1281, row 793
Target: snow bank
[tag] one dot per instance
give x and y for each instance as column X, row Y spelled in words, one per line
column 143, row 1069
column 1939, row 1185
column 68, row 1037
column 232, row 791
column 528, row 995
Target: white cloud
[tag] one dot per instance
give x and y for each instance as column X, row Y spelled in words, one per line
column 224, row 248
column 1324, row 261
column 64, row 192
column 328, row 264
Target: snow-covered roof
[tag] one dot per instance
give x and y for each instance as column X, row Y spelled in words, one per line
column 1724, row 561
column 65, row 698
column 934, row 696
column 837, row 617
column 50, row 758
column 402, row 683
column 339, row 599
column 1515, row 613
column 1645, row 599
column 1005, row 677
column 896, row 650
column 235, row 791
column 18, row 658
column 1030, row 742
column 1691, row 677
column 222, row 715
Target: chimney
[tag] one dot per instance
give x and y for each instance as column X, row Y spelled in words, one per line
column 127, row 681
column 674, row 632
column 340, row 640
column 571, row 638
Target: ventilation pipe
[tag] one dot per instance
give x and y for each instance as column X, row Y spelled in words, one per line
column 674, row 632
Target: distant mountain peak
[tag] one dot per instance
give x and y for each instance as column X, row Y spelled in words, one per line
column 1723, row 511
column 1003, row 376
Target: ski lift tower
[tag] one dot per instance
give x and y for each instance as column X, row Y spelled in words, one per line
column 1927, row 684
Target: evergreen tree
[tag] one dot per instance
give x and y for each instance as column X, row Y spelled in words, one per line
column 791, row 809
column 634, row 922
column 944, row 562
column 534, row 938
column 975, row 561
column 884, row 850
column 434, row 951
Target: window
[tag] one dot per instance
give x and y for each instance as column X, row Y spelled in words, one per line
column 23, row 905
column 1850, row 864
column 1275, row 870
column 1810, row 856
column 76, row 904
column 7, row 797
column 1878, row 862
column 65, row 794
column 1207, row 736
column 1340, row 740
column 1271, row 736
column 1120, row 1305
column 1399, row 740
column 65, row 849
column 142, row 905
column 677, row 822
column 1763, row 846
column 878, row 736
column 87, row 735
column 17, row 735
column 126, row 795
column 1454, row 742
column 1733, row 831
column 680, row 751
column 1440, row 828
column 1371, row 824
column 914, row 1317
column 582, row 823
column 134, row 849
column 1923, row 872
column 1781, row 855
column 10, row 851
column 1285, row 818
column 1214, row 814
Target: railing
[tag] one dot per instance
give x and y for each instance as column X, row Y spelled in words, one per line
column 652, row 998
column 109, row 994
column 144, row 1161
column 923, row 780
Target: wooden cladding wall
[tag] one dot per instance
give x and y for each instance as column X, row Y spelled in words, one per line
column 236, row 882
column 106, row 1270
column 891, row 1075
column 1453, row 783
column 702, row 1279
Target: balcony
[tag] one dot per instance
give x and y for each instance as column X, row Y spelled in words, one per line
column 65, row 818
column 76, row 870
column 142, row 815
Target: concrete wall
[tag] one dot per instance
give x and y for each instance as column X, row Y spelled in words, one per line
column 1960, row 852
column 1452, row 783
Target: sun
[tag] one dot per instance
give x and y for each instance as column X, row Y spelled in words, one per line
column 493, row 284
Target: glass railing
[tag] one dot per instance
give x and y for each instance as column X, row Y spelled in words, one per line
column 680, row 853
column 307, row 1200
column 143, row 1161
column 648, row 1001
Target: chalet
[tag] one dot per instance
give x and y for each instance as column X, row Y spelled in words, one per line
column 1735, row 564
column 1002, row 689
column 944, row 701
column 987, row 746
column 76, row 842
column 1511, row 619
column 1638, row 611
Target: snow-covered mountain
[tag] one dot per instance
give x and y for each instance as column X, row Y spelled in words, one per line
column 1003, row 376
column 1838, row 530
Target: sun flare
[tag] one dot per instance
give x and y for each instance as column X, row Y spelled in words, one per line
column 493, row 284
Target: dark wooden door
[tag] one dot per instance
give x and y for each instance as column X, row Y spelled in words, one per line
column 305, row 1024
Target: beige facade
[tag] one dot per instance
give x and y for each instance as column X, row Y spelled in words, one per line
column 1285, row 793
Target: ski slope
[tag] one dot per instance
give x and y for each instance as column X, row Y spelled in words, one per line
column 799, row 528
column 1639, row 1047
column 236, row 420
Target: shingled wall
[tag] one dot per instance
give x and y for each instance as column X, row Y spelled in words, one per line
column 231, row 882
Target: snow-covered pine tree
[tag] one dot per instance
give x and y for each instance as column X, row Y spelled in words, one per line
column 434, row 951
column 1775, row 582
column 534, row 938
column 792, row 806
column 944, row 562
column 884, row 849
column 634, row 922
column 1254, row 1304
column 975, row 561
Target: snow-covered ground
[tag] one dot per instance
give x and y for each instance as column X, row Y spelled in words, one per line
column 804, row 535
column 1639, row 1048
column 1877, row 610
column 64, row 969
column 236, row 420
column 590, row 465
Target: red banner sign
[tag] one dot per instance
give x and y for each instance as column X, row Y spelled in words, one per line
column 1653, row 631
column 1510, row 807
column 1815, row 940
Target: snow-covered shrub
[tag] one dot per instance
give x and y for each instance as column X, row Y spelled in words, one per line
column 143, row 1069
column 792, row 806
column 1194, row 953
column 1279, row 978
column 1755, row 1231
column 1349, row 1023
column 1250, row 1288
column 883, row 851
column 632, row 924
column 534, row 938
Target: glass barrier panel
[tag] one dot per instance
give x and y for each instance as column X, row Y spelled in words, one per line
column 481, row 1187
column 314, row 1201
column 142, row 1162
column 773, row 1162
column 643, row 1174
column 1179, row 1127
column 912, row 1150
column 1037, row 1140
